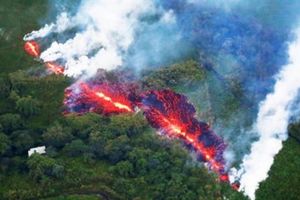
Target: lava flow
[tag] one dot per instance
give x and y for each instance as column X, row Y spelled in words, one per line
column 55, row 68
column 32, row 48
column 173, row 116
column 168, row 112
column 99, row 98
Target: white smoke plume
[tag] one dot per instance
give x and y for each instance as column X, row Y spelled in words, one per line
column 271, row 123
column 63, row 22
column 106, row 31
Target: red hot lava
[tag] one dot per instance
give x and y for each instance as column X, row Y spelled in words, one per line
column 173, row 116
column 55, row 68
column 100, row 98
column 168, row 112
column 32, row 48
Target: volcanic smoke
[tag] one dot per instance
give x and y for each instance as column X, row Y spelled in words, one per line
column 104, row 32
column 271, row 123
column 33, row 49
column 110, row 34
column 55, row 68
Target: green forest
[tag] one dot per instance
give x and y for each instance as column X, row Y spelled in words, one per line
column 98, row 157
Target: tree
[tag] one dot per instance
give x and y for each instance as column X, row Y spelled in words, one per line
column 75, row 148
column 117, row 149
column 125, row 187
column 4, row 143
column 4, row 87
column 11, row 122
column 284, row 174
column 21, row 141
column 294, row 130
column 14, row 96
column 127, row 125
column 57, row 171
column 27, row 106
column 57, row 135
column 83, row 125
column 98, row 140
column 41, row 166
column 18, row 79
column 177, row 189
column 139, row 158
column 124, row 169
column 186, row 74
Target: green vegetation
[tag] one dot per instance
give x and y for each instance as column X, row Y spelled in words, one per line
column 91, row 156
column 96, row 157
column 284, row 177
column 18, row 17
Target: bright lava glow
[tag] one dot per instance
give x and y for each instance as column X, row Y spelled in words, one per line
column 32, row 48
column 116, row 104
column 172, row 115
column 94, row 97
column 55, row 68
column 166, row 111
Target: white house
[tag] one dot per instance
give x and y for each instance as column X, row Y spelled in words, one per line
column 39, row 150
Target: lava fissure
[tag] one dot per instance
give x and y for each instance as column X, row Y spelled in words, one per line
column 174, row 116
column 168, row 112
column 102, row 98
column 33, row 49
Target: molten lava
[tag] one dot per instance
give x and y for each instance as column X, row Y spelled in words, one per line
column 54, row 68
column 168, row 112
column 32, row 48
column 100, row 98
column 173, row 116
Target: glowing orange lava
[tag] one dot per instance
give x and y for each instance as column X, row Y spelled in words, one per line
column 177, row 131
column 32, row 48
column 55, row 68
column 173, row 116
column 116, row 104
column 111, row 101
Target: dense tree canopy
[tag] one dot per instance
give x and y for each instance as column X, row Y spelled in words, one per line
column 11, row 122
column 27, row 106
column 57, row 135
column 115, row 157
column 42, row 166
column 4, row 143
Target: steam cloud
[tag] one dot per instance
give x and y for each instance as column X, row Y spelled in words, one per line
column 272, row 122
column 246, row 40
column 105, row 31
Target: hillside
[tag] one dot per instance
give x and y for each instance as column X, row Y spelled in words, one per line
column 118, row 157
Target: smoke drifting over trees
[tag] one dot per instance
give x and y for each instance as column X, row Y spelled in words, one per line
column 245, row 53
